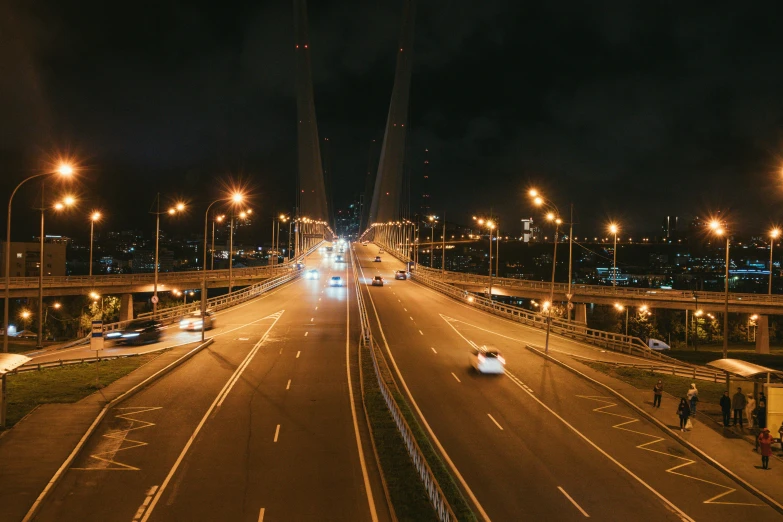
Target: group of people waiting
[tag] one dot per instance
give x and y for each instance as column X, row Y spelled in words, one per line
column 744, row 407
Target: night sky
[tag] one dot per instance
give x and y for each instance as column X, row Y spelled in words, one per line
column 630, row 110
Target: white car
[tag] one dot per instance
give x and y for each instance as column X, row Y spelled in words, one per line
column 487, row 360
column 312, row 274
column 336, row 281
column 192, row 322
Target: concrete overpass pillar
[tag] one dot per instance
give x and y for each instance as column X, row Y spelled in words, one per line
column 762, row 334
column 126, row 307
column 581, row 313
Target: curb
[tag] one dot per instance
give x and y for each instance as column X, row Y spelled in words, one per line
column 709, row 460
column 59, row 473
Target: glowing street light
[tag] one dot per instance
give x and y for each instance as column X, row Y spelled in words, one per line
column 773, row 234
column 614, row 228
column 95, row 216
column 177, row 208
column 718, row 230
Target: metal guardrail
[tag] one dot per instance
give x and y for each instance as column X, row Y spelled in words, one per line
column 33, row 367
column 694, row 372
column 434, row 492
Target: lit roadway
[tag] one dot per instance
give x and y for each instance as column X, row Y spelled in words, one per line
column 538, row 443
column 258, row 426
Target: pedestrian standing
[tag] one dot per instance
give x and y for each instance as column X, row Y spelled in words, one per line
column 750, row 409
column 657, row 394
column 725, row 407
column 780, row 435
column 738, row 402
column 765, row 443
column 693, row 398
column 683, row 412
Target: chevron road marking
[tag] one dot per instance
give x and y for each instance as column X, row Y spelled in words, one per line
column 655, row 440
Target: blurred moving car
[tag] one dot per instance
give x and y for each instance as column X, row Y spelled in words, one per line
column 140, row 331
column 339, row 259
column 336, row 281
column 400, row 274
column 312, row 274
column 377, row 259
column 193, row 321
column 378, row 281
column 487, row 360
column 380, row 251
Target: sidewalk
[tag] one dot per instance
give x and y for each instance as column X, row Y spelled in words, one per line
column 729, row 446
column 32, row 451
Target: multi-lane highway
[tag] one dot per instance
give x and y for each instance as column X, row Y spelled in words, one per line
column 538, row 443
column 264, row 424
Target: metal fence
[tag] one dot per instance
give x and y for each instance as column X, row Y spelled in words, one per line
column 693, row 372
column 34, row 367
column 434, row 492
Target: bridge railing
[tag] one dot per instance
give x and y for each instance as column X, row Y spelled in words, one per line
column 388, row 389
column 174, row 313
column 146, row 277
column 577, row 331
column 619, row 293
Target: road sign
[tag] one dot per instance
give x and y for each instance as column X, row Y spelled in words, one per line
column 570, row 305
column 154, row 299
column 96, row 338
column 569, row 296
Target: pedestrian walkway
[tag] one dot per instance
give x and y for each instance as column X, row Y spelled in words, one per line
column 32, row 451
column 731, row 447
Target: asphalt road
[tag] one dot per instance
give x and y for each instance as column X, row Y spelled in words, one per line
column 257, row 426
column 538, row 443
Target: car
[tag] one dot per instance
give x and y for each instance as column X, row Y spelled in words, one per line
column 312, row 274
column 400, row 274
column 193, row 321
column 364, row 243
column 336, row 281
column 299, row 266
column 140, row 331
column 339, row 259
column 377, row 281
column 380, row 251
column 487, row 360
column 377, row 259
column 26, row 334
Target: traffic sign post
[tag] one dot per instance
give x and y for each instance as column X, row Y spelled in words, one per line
column 154, row 299
column 96, row 343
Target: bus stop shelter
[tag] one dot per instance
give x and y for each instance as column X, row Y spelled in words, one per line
column 770, row 380
column 8, row 363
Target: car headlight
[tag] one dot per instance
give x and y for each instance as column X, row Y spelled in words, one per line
column 132, row 334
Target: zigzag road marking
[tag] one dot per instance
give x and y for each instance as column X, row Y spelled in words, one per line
column 119, row 438
column 655, row 440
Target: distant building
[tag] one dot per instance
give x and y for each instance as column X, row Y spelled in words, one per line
column 670, row 229
column 25, row 259
column 426, row 203
column 527, row 229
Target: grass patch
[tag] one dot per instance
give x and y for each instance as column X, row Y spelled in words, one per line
column 64, row 384
column 673, row 385
column 406, row 490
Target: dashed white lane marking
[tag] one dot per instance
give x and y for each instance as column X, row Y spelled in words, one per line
column 455, row 376
column 306, row 333
column 399, row 301
column 288, row 385
column 404, row 308
column 319, row 298
column 297, row 354
column 577, row 506
column 147, row 500
column 422, row 333
column 316, row 308
column 411, row 317
column 277, row 432
column 433, row 349
column 261, row 515
column 496, row 422
column 312, row 319
column 243, row 338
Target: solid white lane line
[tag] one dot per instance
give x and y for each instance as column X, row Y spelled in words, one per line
column 226, row 388
column 277, row 432
column 261, row 515
column 297, row 354
column 306, row 333
column 365, row 475
column 496, row 422
column 288, row 385
column 433, row 349
column 435, row 439
column 455, row 376
column 577, row 506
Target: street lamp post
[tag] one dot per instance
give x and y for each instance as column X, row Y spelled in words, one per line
column 236, row 198
column 620, row 308
column 95, row 216
column 719, row 230
column 774, row 233
column 557, row 221
column 613, row 228
column 218, row 219
column 179, row 207
column 64, row 170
